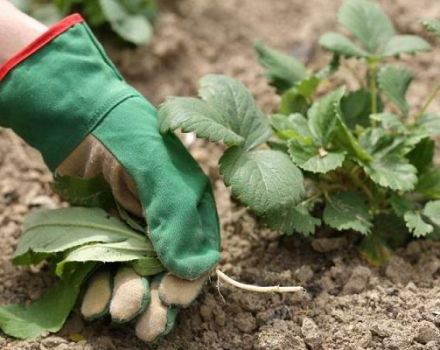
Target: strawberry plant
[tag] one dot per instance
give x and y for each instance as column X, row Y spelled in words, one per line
column 350, row 159
column 130, row 19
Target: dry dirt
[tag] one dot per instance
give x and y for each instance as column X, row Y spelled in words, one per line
column 350, row 305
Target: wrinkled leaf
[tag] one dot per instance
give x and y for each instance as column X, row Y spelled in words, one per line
column 282, row 70
column 265, row 180
column 410, row 44
column 394, row 82
column 366, row 20
column 341, row 45
column 416, row 225
column 356, row 108
column 314, row 159
column 347, row 211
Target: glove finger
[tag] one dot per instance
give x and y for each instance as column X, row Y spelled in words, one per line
column 179, row 292
column 157, row 320
column 97, row 297
column 131, row 295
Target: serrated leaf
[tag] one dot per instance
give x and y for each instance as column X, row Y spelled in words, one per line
column 282, row 70
column 314, row 159
column 134, row 28
column 429, row 183
column 193, row 115
column 394, row 82
column 265, row 180
column 237, row 106
column 400, row 44
column 432, row 212
column 84, row 192
column 432, row 26
column 347, row 211
column 341, row 45
column 298, row 219
column 415, row 223
column 57, row 231
column 48, row 313
column 389, row 122
column 366, row 20
column 293, row 126
column 323, row 117
column 356, row 108
column 401, row 205
column 298, row 98
column 392, row 171
column 422, row 156
column 293, row 102
column 430, row 122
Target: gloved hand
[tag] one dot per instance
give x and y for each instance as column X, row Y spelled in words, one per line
column 64, row 97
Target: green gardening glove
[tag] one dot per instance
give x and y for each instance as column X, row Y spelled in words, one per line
column 63, row 89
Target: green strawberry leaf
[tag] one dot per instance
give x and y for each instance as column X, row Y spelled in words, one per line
column 226, row 112
column 429, row 183
column 366, row 20
column 237, row 106
column 422, row 156
column 314, row 159
column 394, row 82
column 265, row 180
column 341, row 45
column 432, row 212
column 430, row 123
column 347, row 211
column 392, row 171
column 298, row 219
column 356, row 108
column 323, row 118
column 416, row 225
column 400, row 44
column 283, row 71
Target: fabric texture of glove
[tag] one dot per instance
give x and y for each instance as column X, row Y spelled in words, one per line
column 62, row 88
column 64, row 97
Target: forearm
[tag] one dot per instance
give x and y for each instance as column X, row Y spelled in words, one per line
column 16, row 30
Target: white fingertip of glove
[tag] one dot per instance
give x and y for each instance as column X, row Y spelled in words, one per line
column 178, row 292
column 98, row 295
column 131, row 295
column 153, row 322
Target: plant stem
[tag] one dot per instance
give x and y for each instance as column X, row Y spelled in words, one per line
column 429, row 100
column 359, row 183
column 372, row 84
column 259, row 289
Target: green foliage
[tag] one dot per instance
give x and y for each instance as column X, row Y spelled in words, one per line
column 48, row 313
column 369, row 24
column 130, row 19
column 366, row 162
column 432, row 26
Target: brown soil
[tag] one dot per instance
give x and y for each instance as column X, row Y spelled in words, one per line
column 350, row 305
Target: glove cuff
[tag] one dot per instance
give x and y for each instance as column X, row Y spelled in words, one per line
column 59, row 88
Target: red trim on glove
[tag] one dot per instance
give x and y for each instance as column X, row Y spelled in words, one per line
column 40, row 42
